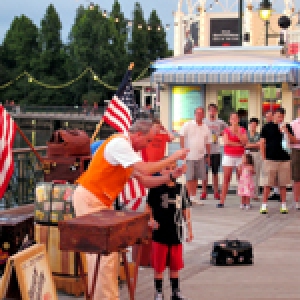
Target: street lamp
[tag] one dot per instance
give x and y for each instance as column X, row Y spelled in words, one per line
column 92, row 6
column 265, row 11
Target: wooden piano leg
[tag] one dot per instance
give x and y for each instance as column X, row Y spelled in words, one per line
column 88, row 296
column 131, row 282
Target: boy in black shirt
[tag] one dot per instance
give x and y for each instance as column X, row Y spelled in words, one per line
column 276, row 160
column 168, row 204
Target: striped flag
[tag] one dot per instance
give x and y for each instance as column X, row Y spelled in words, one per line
column 121, row 110
column 7, row 137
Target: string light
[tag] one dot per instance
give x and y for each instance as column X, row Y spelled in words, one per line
column 92, row 6
column 149, row 28
column 117, row 20
column 168, row 27
column 158, row 28
column 129, row 23
column 104, row 13
column 140, row 26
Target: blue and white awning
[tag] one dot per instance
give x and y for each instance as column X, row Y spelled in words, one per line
column 227, row 74
column 238, row 65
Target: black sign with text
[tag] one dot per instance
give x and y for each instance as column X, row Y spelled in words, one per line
column 224, row 32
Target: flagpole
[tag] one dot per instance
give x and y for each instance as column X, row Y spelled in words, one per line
column 40, row 159
column 99, row 125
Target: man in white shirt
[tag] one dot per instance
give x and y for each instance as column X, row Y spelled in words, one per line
column 196, row 136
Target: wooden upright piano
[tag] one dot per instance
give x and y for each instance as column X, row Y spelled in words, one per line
column 102, row 233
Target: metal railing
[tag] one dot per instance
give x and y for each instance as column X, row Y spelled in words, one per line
column 27, row 172
column 76, row 110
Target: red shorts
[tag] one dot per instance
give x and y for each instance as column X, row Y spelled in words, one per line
column 163, row 255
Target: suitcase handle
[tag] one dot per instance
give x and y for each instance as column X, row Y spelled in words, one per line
column 233, row 243
column 59, row 181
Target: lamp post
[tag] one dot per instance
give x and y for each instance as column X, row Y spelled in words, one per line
column 265, row 11
column 241, row 13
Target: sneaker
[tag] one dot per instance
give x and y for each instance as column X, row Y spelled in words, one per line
column 203, row 196
column 158, row 296
column 297, row 205
column 220, row 205
column 283, row 210
column 198, row 202
column 274, row 197
column 247, row 207
column 263, row 211
column 242, row 206
column 217, row 196
column 178, row 296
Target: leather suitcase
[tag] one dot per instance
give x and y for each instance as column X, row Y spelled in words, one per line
column 108, row 231
column 145, row 260
column 16, row 229
column 64, row 168
column 66, row 142
column 231, row 252
column 53, row 202
column 61, row 262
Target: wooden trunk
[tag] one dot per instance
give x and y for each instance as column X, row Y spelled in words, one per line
column 104, row 232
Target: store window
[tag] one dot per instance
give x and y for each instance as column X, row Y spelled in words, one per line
column 233, row 101
column 184, row 101
column 296, row 102
column 271, row 98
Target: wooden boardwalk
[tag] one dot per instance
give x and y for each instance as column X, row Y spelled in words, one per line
column 276, row 243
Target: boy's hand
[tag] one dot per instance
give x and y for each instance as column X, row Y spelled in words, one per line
column 153, row 224
column 190, row 236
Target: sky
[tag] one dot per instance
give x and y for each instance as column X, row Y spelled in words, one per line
column 35, row 10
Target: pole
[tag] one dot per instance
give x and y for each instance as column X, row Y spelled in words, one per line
column 29, row 144
column 267, row 32
column 241, row 12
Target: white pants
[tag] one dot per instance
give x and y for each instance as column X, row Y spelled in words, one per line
column 107, row 280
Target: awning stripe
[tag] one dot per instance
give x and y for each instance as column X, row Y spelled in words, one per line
column 228, row 75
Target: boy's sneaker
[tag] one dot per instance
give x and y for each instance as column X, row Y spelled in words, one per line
column 220, row 205
column 158, row 296
column 264, row 210
column 178, row 296
column 283, row 210
column 242, row 206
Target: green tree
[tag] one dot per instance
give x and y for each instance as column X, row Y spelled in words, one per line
column 19, row 48
column 157, row 44
column 50, row 65
column 138, row 46
column 92, row 45
column 119, row 41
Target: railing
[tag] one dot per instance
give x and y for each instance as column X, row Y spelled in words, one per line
column 27, row 172
column 76, row 110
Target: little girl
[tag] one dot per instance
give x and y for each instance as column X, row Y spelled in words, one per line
column 246, row 185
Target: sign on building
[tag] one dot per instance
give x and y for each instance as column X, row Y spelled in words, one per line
column 224, row 32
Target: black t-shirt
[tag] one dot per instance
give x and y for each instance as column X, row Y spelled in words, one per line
column 162, row 201
column 274, row 137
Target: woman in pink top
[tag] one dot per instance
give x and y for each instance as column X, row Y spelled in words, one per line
column 235, row 139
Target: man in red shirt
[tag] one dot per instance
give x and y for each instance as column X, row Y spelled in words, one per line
column 156, row 149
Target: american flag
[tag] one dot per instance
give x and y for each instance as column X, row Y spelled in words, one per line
column 7, row 137
column 122, row 110
column 120, row 114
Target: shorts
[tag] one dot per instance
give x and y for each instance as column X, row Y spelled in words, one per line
column 163, row 255
column 276, row 173
column 295, row 164
column 215, row 162
column 231, row 161
column 196, row 169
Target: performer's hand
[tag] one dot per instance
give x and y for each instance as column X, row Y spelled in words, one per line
column 190, row 236
column 178, row 172
column 181, row 154
column 153, row 224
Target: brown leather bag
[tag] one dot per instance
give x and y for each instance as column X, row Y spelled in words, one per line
column 66, row 142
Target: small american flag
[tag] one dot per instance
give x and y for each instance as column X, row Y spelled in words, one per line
column 122, row 109
column 7, row 137
column 120, row 114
